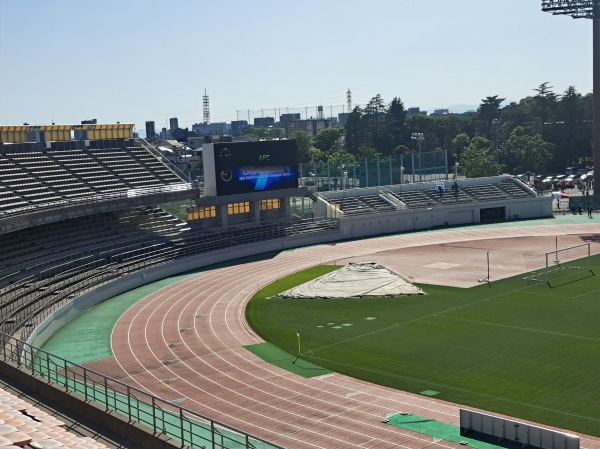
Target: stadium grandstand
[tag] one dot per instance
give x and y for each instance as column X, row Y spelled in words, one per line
column 86, row 213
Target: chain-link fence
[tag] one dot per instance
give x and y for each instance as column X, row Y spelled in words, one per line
column 353, row 173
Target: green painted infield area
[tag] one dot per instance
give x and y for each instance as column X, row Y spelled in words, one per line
column 521, row 348
column 442, row 431
column 278, row 357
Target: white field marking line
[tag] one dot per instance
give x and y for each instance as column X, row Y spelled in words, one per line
column 419, row 318
column 587, row 293
column 371, row 248
column 438, row 313
column 360, row 422
column 427, row 238
column 170, row 387
column 537, row 331
column 467, row 391
column 185, row 365
column 403, row 402
column 134, row 305
column 294, row 403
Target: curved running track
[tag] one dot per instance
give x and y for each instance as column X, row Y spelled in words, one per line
column 192, row 334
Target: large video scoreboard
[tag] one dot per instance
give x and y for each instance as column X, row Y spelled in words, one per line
column 244, row 167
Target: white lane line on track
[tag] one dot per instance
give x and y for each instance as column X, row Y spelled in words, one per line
column 351, row 251
column 176, row 389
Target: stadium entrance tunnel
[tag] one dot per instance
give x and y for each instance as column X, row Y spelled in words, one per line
column 488, row 214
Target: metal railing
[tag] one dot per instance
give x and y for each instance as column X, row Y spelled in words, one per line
column 188, row 428
column 30, row 300
column 150, row 148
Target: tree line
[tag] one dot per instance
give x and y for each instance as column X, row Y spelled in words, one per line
column 542, row 133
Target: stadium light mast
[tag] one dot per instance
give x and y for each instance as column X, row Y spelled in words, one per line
column 586, row 9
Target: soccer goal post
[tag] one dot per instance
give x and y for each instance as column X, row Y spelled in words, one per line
column 576, row 257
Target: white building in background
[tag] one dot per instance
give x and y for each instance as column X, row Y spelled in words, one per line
column 175, row 152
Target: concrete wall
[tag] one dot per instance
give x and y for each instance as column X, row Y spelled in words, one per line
column 350, row 227
column 452, row 215
column 79, row 305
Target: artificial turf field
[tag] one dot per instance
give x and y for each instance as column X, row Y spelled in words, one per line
column 526, row 349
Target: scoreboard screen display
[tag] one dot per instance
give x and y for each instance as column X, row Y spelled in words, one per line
column 244, row 167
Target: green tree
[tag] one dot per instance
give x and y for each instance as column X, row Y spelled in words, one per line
column 393, row 132
column 479, row 159
column 460, row 143
column 317, row 155
column 489, row 110
column 354, row 133
column 573, row 141
column 545, row 102
column 329, row 140
column 519, row 114
column 401, row 149
column 304, row 143
column 528, row 152
column 368, row 152
column 375, row 114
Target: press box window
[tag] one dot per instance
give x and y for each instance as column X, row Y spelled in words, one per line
column 238, row 208
column 200, row 213
column 270, row 204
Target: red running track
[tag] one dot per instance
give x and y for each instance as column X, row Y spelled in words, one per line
column 192, row 334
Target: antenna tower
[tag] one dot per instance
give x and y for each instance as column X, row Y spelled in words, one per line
column 320, row 112
column 205, row 109
column 349, row 100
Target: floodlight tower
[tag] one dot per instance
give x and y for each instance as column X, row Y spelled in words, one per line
column 586, row 9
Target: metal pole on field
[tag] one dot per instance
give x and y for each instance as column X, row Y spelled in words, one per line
column 298, row 337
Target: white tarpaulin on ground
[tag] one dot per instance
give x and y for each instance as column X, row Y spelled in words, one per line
column 355, row 280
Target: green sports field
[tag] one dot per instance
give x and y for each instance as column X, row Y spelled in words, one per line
column 522, row 348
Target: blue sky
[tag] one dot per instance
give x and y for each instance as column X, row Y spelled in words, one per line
column 138, row 60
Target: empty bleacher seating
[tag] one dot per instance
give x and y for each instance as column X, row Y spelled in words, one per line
column 365, row 204
column 516, row 189
column 42, row 179
column 486, row 192
column 45, row 266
